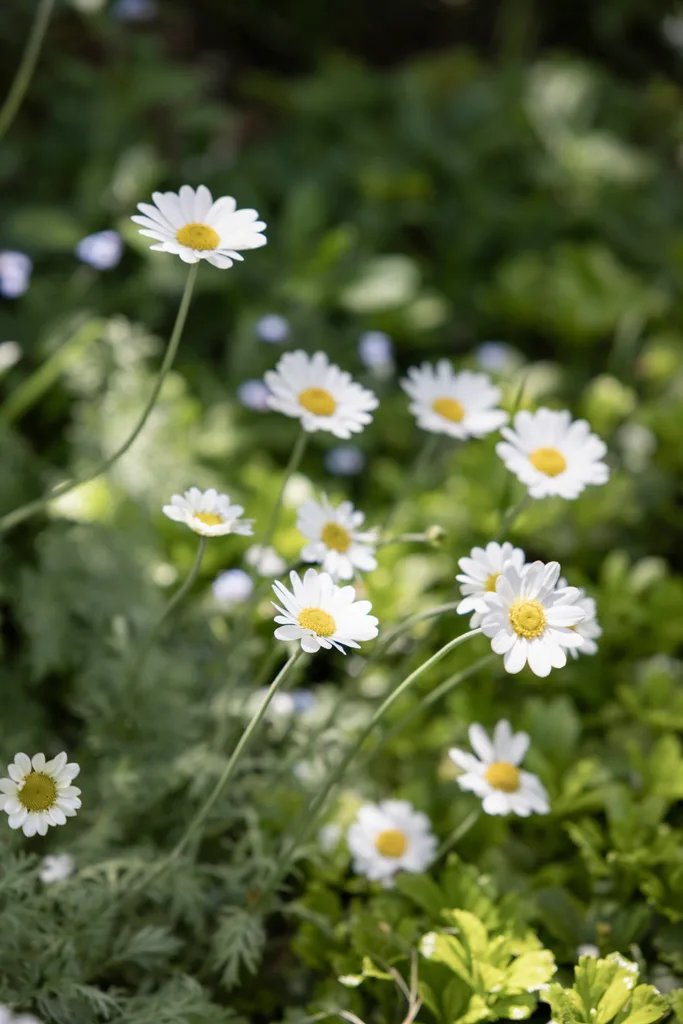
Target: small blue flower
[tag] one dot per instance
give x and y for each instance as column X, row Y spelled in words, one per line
column 103, row 250
column 496, row 356
column 135, row 10
column 232, row 587
column 253, row 394
column 345, row 460
column 376, row 350
column 15, row 273
column 272, row 328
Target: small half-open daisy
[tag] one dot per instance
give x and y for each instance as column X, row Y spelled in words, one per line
column 589, row 627
column 336, row 541
column 494, row 774
column 529, row 619
column 191, row 225
column 461, row 405
column 480, row 572
column 38, row 793
column 208, row 513
column 318, row 613
column 319, row 394
column 553, row 455
column 388, row 837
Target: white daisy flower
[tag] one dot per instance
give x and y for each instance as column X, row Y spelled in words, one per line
column 56, row 867
column 191, row 225
column 494, row 774
column 461, row 405
column 265, row 560
column 529, row 619
column 208, row 513
column 336, row 541
column 553, row 455
column 480, row 572
column 38, row 793
column 8, row 1016
column 589, row 627
column 389, row 837
column 320, row 614
column 319, row 394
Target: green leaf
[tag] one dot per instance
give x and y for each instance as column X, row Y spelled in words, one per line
column 528, row 972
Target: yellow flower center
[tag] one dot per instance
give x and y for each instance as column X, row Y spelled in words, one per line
column 502, row 775
column 198, row 236
column 318, row 401
column 527, row 618
column 336, row 537
column 321, row 622
column 208, row 518
column 491, row 583
column 548, row 461
column 391, row 843
column 449, row 408
column 38, row 792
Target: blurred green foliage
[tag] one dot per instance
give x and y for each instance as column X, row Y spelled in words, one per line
column 524, row 193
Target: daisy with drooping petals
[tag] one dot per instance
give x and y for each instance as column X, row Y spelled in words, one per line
column 480, row 572
column 320, row 614
column 529, row 619
column 191, row 225
column 495, row 776
column 319, row 394
column 335, row 540
column 553, row 455
column 389, row 837
column 589, row 627
column 461, row 405
column 208, row 513
column 38, row 793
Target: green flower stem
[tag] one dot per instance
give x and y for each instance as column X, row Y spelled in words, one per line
column 510, row 516
column 180, row 593
column 22, row 79
column 228, row 772
column 25, row 396
column 292, row 466
column 335, row 776
column 432, row 697
column 385, row 643
column 458, row 833
column 404, row 538
column 11, row 519
column 413, row 477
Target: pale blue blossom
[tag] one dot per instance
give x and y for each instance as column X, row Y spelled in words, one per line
column 15, row 273
column 376, row 350
column 253, row 394
column 103, row 250
column 234, row 586
column 272, row 328
column 345, row 460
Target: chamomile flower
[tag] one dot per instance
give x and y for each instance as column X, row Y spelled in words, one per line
column 319, row 394
column 38, row 793
column 191, row 225
column 208, row 513
column 56, row 867
column 389, row 837
column 480, row 572
column 318, row 613
column 336, row 542
column 494, row 774
column 589, row 627
column 529, row 619
column 553, row 455
column 461, row 405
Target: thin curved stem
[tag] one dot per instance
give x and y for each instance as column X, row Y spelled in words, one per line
column 228, row 772
column 180, row 593
column 12, row 519
column 413, row 476
column 431, row 613
column 510, row 516
column 22, row 79
column 458, row 833
column 292, row 466
column 335, row 776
